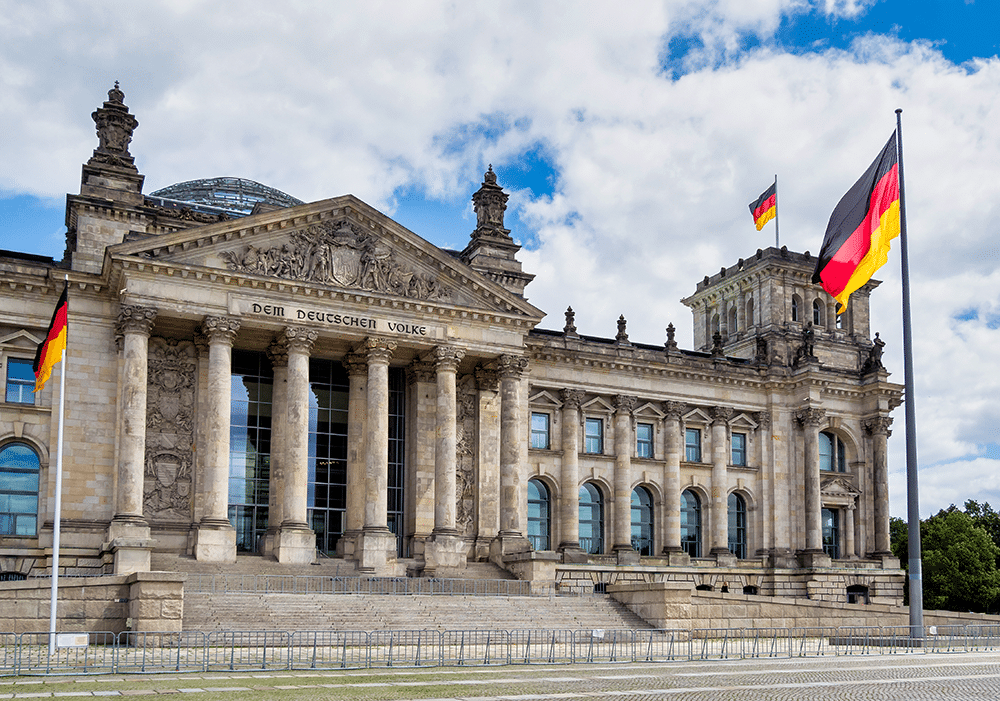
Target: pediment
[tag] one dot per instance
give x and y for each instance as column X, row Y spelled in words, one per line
column 342, row 244
column 742, row 420
column 544, row 399
column 597, row 405
column 838, row 487
column 697, row 416
column 20, row 340
column 648, row 411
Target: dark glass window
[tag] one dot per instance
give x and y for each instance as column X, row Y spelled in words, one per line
column 19, row 468
column 539, row 528
column 540, row 431
column 593, row 441
column 737, row 526
column 691, row 523
column 250, row 447
column 644, row 440
column 692, row 445
column 591, row 519
column 832, row 453
column 642, row 521
column 739, row 445
column 831, row 532
column 20, row 381
column 327, row 492
column 795, row 307
column 817, row 312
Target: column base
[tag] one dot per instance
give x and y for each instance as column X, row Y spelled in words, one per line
column 813, row 558
column 347, row 544
column 626, row 554
column 269, row 543
column 724, row 558
column 507, row 543
column 572, row 553
column 676, row 557
column 375, row 550
column 296, row 546
column 215, row 542
column 130, row 545
column 444, row 550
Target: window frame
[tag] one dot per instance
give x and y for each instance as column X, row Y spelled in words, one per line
column 18, row 382
column 738, row 456
column 692, row 448
column 593, row 545
column 591, row 441
column 836, row 459
column 737, row 535
column 546, row 434
column 831, row 532
column 691, row 544
column 11, row 517
column 647, row 442
column 542, row 539
column 642, row 502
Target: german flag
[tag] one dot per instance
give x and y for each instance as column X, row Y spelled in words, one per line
column 765, row 207
column 50, row 350
column 863, row 223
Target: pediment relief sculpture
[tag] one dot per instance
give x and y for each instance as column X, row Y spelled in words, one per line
column 839, row 486
column 337, row 253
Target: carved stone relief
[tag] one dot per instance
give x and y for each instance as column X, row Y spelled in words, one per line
column 337, row 253
column 169, row 430
column 465, row 436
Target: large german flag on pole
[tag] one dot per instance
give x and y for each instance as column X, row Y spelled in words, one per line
column 765, row 206
column 51, row 349
column 860, row 229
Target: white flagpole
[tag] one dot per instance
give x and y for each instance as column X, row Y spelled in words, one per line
column 57, row 515
column 776, row 244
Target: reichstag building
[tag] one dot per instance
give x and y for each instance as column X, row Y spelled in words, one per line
column 254, row 376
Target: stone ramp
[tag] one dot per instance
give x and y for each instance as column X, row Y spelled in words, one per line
column 370, row 612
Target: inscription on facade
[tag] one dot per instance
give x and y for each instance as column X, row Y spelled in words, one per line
column 335, row 318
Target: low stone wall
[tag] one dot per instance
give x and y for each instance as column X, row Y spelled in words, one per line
column 143, row 601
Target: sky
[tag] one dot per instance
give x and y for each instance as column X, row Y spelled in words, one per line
column 631, row 136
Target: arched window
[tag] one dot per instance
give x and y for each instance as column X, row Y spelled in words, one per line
column 691, row 523
column 737, row 526
column 796, row 307
column 591, row 519
column 832, row 453
column 539, row 521
column 749, row 312
column 19, row 467
column 642, row 521
column 817, row 312
column 716, row 324
column 733, row 326
column 831, row 532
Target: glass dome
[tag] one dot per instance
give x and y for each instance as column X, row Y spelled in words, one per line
column 235, row 196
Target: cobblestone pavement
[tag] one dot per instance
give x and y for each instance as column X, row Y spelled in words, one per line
column 917, row 677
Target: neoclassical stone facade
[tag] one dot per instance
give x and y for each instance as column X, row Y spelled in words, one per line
column 316, row 379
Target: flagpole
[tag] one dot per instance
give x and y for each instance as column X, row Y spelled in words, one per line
column 776, row 245
column 57, row 515
column 912, row 493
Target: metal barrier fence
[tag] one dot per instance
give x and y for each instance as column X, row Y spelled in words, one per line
column 316, row 584
column 25, row 654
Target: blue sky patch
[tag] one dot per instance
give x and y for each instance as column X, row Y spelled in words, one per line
column 38, row 222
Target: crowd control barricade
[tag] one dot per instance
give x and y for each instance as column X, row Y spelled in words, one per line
column 151, row 653
column 540, row 646
column 231, row 650
column 598, row 645
column 71, row 653
column 404, row 648
column 329, row 649
column 475, row 647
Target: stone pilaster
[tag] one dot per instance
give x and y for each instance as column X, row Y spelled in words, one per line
column 672, row 482
column 296, row 540
column 510, row 538
column 376, row 544
column 878, row 428
column 569, row 495
column 811, row 419
column 486, row 456
column 357, row 404
column 277, row 353
column 719, row 516
column 215, row 540
column 446, row 548
column 128, row 533
column 622, row 522
column 849, row 539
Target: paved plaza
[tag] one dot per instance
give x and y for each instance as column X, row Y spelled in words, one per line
column 913, row 677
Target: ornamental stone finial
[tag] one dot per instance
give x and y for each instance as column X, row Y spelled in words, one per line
column 621, row 337
column 717, row 345
column 671, row 344
column 570, row 328
column 489, row 203
column 114, row 131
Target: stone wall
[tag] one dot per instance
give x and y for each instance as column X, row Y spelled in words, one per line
column 143, row 601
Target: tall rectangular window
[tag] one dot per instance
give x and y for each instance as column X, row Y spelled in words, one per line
column 831, row 532
column 593, row 436
column 644, row 440
column 250, row 447
column 692, row 445
column 739, row 445
column 540, row 431
column 20, row 381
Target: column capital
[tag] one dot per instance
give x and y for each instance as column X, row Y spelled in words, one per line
column 220, row 329
column 356, row 364
column 299, row 339
column 878, row 425
column 277, row 352
column 624, row 403
column 511, row 366
column 763, row 419
column 572, row 398
column 200, row 341
column 376, row 350
column 673, row 410
column 810, row 416
column 447, row 357
column 487, row 379
column 135, row 319
column 721, row 414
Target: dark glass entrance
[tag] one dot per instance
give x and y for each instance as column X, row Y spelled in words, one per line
column 250, row 447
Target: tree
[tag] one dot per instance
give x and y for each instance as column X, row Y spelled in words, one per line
column 959, row 563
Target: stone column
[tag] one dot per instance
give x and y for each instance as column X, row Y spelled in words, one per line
column 510, row 538
column 357, row 401
column 377, row 544
column 878, row 427
column 215, row 540
column 811, row 419
column 296, row 540
column 719, row 517
column 128, row 533
column 622, row 524
column 486, row 457
column 671, row 517
column 277, row 353
column 849, row 540
column 420, row 423
column 569, row 493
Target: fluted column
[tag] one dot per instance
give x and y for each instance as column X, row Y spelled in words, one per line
column 216, row 538
column 622, row 530
column 569, row 493
column 357, row 400
column 446, row 360
column 878, row 427
column 277, row 353
column 811, row 420
column 719, row 518
column 510, row 369
column 672, row 479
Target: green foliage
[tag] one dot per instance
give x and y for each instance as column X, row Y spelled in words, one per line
column 959, row 563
